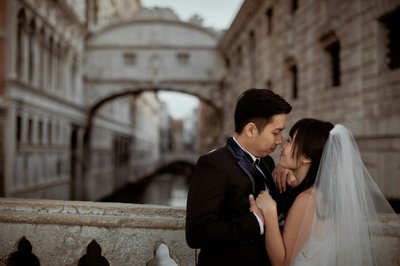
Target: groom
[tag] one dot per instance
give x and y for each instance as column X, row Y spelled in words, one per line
column 219, row 220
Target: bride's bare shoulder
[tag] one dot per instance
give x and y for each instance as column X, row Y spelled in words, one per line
column 303, row 206
column 305, row 197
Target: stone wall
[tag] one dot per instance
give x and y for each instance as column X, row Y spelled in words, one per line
column 271, row 45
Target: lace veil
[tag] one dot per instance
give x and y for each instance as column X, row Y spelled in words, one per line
column 347, row 226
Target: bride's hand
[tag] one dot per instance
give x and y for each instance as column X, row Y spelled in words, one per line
column 265, row 202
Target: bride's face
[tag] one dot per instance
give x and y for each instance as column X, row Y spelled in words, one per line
column 288, row 158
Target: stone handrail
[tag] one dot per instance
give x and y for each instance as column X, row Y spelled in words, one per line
column 60, row 232
column 71, row 232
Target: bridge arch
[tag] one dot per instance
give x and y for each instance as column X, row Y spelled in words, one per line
column 166, row 160
column 151, row 51
column 134, row 92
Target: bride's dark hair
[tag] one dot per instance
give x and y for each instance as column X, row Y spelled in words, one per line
column 309, row 137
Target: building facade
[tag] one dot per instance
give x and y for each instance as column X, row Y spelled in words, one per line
column 332, row 60
column 65, row 133
column 43, row 106
column 42, row 94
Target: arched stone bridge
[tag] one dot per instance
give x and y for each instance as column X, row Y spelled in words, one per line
column 145, row 169
column 153, row 50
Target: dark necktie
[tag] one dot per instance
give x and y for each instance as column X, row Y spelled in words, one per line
column 266, row 174
column 260, row 177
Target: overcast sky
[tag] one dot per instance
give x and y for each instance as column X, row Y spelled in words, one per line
column 215, row 13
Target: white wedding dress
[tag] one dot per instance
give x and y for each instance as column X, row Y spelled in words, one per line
column 313, row 253
column 326, row 252
column 316, row 250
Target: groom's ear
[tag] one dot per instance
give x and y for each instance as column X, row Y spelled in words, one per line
column 250, row 129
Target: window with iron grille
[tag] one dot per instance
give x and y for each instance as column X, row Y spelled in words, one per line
column 269, row 15
column 239, row 54
column 268, row 84
column 19, row 129
column 294, row 6
column 293, row 73
column 334, row 53
column 183, row 59
column 332, row 47
column 130, row 59
column 391, row 21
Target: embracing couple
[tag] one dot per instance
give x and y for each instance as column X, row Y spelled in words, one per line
column 239, row 211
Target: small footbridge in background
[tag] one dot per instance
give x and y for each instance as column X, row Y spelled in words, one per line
column 168, row 158
column 145, row 168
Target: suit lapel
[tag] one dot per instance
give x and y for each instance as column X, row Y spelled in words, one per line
column 245, row 163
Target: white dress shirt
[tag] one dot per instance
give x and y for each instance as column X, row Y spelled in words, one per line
column 260, row 222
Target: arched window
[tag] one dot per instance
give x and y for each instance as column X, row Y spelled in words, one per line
column 31, row 50
column 62, row 51
column 73, row 73
column 21, row 20
column 50, row 56
column 42, row 58
column 57, row 66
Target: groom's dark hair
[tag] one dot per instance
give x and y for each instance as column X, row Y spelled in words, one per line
column 258, row 106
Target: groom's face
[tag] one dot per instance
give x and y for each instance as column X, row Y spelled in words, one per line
column 266, row 140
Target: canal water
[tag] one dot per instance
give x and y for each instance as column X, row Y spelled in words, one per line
column 167, row 187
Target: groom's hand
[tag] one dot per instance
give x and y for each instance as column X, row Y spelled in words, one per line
column 283, row 177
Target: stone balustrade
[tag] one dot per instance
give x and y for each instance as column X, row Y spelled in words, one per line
column 70, row 232
column 73, row 233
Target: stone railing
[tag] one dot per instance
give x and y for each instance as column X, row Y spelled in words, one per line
column 92, row 233
column 73, row 233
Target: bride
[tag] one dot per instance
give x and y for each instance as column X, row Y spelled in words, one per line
column 332, row 218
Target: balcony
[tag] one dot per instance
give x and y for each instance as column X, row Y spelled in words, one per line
column 83, row 233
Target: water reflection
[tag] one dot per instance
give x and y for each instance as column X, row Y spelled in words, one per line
column 168, row 187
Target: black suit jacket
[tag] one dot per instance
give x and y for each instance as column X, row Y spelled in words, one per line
column 218, row 220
